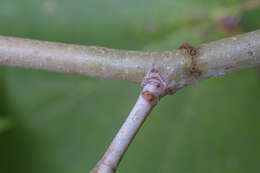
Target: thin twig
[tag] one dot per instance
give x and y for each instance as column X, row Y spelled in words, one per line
column 154, row 87
column 212, row 59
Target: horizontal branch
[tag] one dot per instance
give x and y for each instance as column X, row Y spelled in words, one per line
column 180, row 67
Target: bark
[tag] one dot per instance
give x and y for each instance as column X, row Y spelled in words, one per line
column 179, row 67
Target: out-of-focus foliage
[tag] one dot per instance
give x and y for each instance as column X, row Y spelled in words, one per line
column 4, row 124
column 59, row 123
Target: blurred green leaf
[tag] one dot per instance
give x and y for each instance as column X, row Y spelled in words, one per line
column 63, row 123
column 5, row 122
column 4, row 125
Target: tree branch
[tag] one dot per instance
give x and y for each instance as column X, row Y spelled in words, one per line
column 154, row 88
column 179, row 67
column 174, row 70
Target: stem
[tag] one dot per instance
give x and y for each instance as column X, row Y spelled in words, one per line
column 178, row 66
column 153, row 89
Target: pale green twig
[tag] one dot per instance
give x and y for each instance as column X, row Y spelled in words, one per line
column 177, row 66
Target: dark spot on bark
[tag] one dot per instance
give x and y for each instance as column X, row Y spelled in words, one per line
column 195, row 72
column 189, row 49
column 154, row 70
column 193, row 52
column 250, row 53
column 227, row 68
column 150, row 98
column 171, row 90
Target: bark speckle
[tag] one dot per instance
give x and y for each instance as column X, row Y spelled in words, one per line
column 192, row 52
column 149, row 97
column 189, row 49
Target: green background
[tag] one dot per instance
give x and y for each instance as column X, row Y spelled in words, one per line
column 52, row 123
